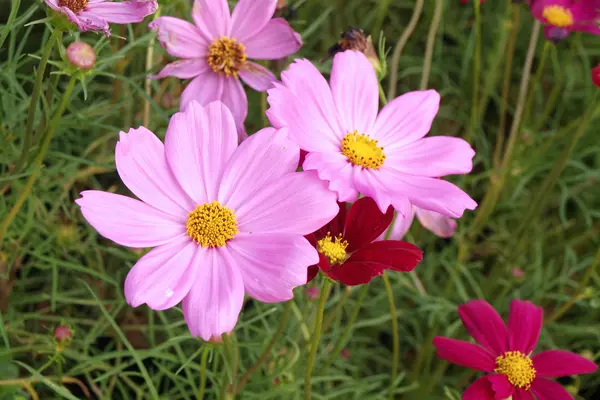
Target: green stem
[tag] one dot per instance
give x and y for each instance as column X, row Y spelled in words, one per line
column 396, row 336
column 228, row 357
column 382, row 97
column 433, row 28
column 15, row 4
column 476, row 69
column 536, row 80
column 265, row 354
column 37, row 163
column 316, row 335
column 203, row 362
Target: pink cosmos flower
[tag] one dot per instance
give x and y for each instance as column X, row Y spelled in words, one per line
column 560, row 17
column 381, row 156
column 505, row 354
column 223, row 220
column 94, row 15
column 215, row 50
column 437, row 223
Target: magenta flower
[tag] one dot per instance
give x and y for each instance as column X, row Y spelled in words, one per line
column 437, row 223
column 94, row 15
column 381, row 156
column 505, row 354
column 563, row 16
column 216, row 49
column 224, row 221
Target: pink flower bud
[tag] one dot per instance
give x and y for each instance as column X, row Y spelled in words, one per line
column 62, row 334
column 81, row 55
column 345, row 354
column 596, row 75
column 312, row 292
column 518, row 272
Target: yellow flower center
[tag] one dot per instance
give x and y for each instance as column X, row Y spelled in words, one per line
column 558, row 16
column 226, row 56
column 74, row 5
column 211, row 224
column 362, row 151
column 333, row 248
column 517, row 367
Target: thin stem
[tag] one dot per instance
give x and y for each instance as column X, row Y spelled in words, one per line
column 203, row 362
column 536, row 80
column 228, row 357
column 316, row 335
column 396, row 337
column 37, row 163
column 148, row 81
column 382, row 97
column 15, row 4
column 433, row 28
column 476, row 69
column 265, row 354
column 408, row 31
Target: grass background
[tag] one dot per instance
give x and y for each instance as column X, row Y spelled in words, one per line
column 54, row 268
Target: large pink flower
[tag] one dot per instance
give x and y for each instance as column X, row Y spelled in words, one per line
column 505, row 354
column 381, row 156
column 215, row 50
column 224, row 220
column 94, row 15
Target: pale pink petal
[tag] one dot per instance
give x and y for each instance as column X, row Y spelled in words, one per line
column 205, row 88
column 183, row 69
column 335, row 169
column 557, row 363
column 250, row 16
column 212, row 18
column 371, row 184
column 433, row 156
column 198, row 145
column 502, row 388
column 437, row 223
column 304, row 104
column 164, row 276
column 87, row 21
column 464, row 354
column 215, row 300
column 274, row 41
column 234, row 97
column 53, row 4
column 142, row 166
column 481, row 389
column 355, row 91
column 127, row 221
column 524, row 324
column 272, row 264
column 399, row 226
column 546, row 389
column 406, row 119
column 180, row 38
column 264, row 157
column 485, row 325
column 123, row 12
column 257, row 77
column 298, row 203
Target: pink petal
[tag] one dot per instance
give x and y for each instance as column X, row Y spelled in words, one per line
column 164, row 276
column 142, row 166
column 481, row 389
column 546, row 389
column 198, row 145
column 183, row 69
column 257, row 77
column 304, row 104
column 437, row 223
column 212, row 18
column 355, row 91
column 485, row 325
column 502, row 388
column 335, row 169
column 464, row 354
column 556, row 363
column 129, row 222
column 298, row 203
column 250, row 16
column 400, row 226
column 234, row 97
column 263, row 158
column 272, row 264
column 406, row 119
column 123, row 12
column 213, row 304
column 368, row 183
column 53, row 4
column 433, row 156
column 180, row 38
column 205, row 88
column 87, row 21
column 274, row 41
column 524, row 324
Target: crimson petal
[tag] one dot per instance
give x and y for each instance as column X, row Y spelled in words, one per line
column 556, row 363
column 481, row 389
column 485, row 325
column 392, row 254
column 546, row 389
column 354, row 273
column 365, row 223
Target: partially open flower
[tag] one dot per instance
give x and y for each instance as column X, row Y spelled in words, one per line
column 81, row 55
column 596, row 75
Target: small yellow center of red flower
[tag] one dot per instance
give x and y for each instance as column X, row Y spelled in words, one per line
column 227, row 56
column 517, row 367
column 211, row 224
column 558, row 16
column 362, row 151
column 334, row 248
column 74, row 5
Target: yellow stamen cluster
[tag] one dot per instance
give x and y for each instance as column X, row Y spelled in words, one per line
column 558, row 16
column 74, row 5
column 334, row 248
column 362, row 151
column 517, row 367
column 211, row 224
column 227, row 56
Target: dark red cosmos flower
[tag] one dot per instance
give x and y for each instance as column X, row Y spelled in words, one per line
column 347, row 251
